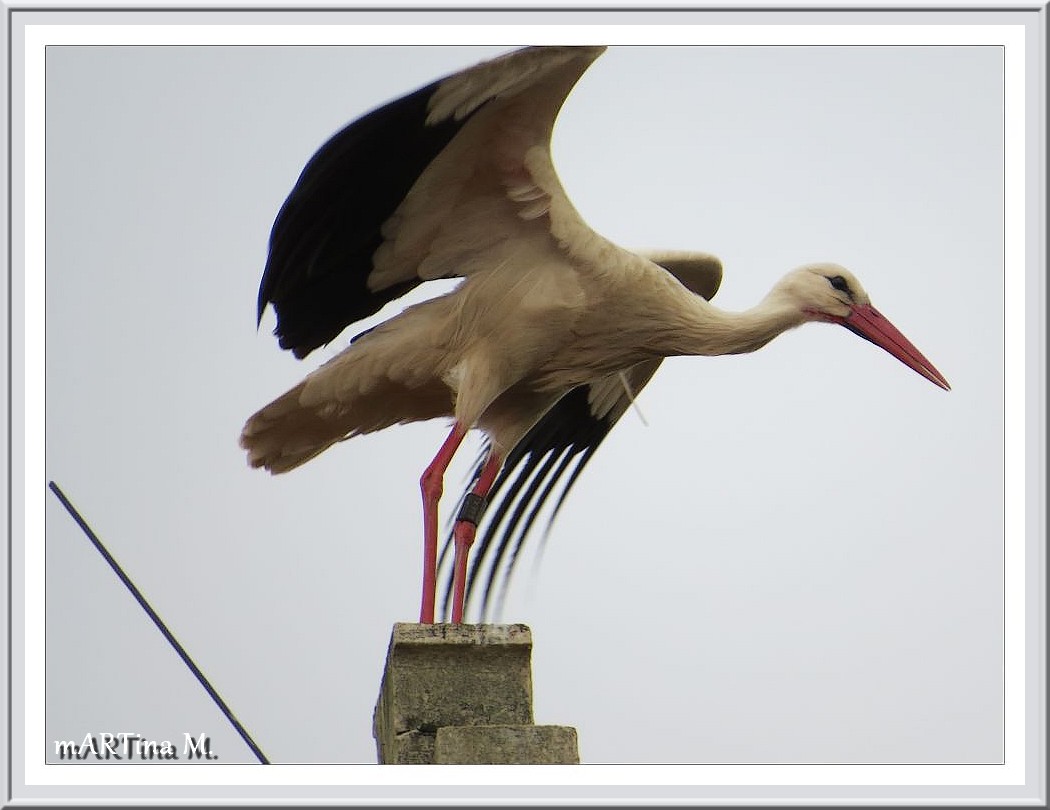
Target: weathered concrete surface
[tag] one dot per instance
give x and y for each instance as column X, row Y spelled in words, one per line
column 506, row 745
column 441, row 675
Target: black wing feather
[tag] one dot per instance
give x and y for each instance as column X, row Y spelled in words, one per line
column 566, row 431
column 528, row 497
column 580, row 460
column 325, row 234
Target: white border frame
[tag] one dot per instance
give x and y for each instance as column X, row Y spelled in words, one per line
column 1011, row 773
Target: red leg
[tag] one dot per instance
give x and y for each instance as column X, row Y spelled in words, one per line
column 464, row 536
column 432, row 484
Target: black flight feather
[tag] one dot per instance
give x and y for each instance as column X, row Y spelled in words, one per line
column 567, row 431
column 325, row 234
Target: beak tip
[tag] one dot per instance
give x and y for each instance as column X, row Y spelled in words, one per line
column 936, row 378
column 870, row 324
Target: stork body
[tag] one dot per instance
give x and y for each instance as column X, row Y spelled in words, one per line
column 548, row 311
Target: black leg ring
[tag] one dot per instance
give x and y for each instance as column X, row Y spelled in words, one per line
column 472, row 509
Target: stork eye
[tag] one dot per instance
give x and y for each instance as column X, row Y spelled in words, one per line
column 839, row 283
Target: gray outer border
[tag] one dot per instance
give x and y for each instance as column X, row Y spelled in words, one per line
column 1032, row 15
column 5, row 566
column 1036, row 268
column 7, row 240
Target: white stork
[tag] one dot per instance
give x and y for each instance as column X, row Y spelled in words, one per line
column 553, row 329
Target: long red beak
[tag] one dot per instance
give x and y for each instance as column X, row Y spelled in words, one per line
column 870, row 324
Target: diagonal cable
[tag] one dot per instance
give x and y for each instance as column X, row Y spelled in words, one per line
column 174, row 642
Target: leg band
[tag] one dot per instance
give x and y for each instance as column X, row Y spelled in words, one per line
column 472, row 509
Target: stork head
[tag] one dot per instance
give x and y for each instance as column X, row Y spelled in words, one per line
column 828, row 292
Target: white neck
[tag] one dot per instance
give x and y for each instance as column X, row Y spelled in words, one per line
column 703, row 329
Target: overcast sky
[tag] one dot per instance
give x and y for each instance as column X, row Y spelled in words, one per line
column 800, row 557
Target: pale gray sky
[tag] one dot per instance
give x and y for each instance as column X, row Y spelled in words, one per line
column 799, row 559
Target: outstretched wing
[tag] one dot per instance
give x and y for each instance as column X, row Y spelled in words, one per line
column 383, row 205
column 546, row 463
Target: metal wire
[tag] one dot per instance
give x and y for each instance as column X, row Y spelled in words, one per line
column 174, row 642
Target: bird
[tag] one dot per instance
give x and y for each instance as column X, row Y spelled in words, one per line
column 552, row 329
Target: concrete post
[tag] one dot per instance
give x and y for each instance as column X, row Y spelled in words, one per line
column 462, row 694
